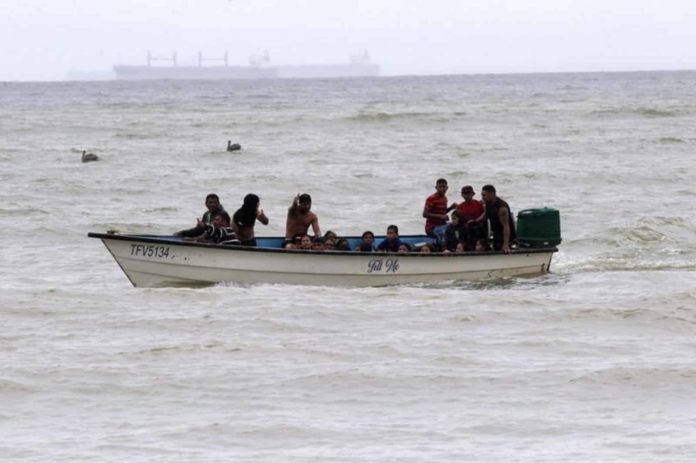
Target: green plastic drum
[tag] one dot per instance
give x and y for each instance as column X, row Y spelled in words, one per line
column 539, row 227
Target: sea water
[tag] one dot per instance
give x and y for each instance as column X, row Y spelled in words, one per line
column 592, row 362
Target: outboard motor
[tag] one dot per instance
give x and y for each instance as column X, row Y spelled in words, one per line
column 538, row 228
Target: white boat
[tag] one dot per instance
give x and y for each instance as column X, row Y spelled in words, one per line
column 156, row 261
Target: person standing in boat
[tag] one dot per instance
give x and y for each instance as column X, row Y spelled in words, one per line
column 435, row 211
column 245, row 218
column 300, row 217
column 212, row 202
column 500, row 216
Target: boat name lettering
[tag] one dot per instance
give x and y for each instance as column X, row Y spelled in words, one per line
column 149, row 250
column 383, row 265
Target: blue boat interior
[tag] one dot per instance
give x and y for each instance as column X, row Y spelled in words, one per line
column 277, row 242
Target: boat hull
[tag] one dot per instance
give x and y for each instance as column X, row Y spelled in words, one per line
column 167, row 261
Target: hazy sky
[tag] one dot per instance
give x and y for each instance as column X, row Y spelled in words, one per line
column 46, row 39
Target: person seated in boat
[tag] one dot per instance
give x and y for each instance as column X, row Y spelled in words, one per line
column 482, row 245
column 435, row 211
column 305, row 242
column 426, row 248
column 330, row 235
column 473, row 216
column 217, row 232
column 245, row 218
column 317, row 244
column 404, row 248
column 330, row 238
column 294, row 243
column 460, row 248
column 300, row 217
column 501, row 219
column 342, row 244
column 212, row 203
column 455, row 232
column 392, row 242
column 368, row 242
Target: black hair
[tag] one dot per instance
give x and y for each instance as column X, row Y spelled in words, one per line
column 212, row 196
column 366, row 232
column 393, row 227
column 246, row 215
column 490, row 188
column 441, row 180
column 342, row 244
column 304, row 198
column 225, row 217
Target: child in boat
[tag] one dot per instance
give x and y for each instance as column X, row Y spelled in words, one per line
column 392, row 242
column 305, row 243
column 368, row 242
column 317, row 244
column 455, row 231
column 294, row 243
column 426, row 249
column 218, row 231
column 404, row 248
column 482, row 245
column 342, row 244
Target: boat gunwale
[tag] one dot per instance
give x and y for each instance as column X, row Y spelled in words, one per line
column 231, row 247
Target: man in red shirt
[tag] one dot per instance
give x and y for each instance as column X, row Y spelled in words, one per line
column 435, row 211
column 472, row 209
column 474, row 215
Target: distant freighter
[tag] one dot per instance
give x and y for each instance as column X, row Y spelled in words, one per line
column 259, row 68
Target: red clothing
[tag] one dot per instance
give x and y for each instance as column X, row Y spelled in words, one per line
column 435, row 204
column 471, row 211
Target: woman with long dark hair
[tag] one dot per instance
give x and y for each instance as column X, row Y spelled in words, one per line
column 244, row 219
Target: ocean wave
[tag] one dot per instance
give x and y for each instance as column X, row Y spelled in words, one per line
column 22, row 212
column 640, row 111
column 382, row 116
column 8, row 387
column 134, row 136
column 671, row 140
column 161, row 209
column 654, row 112
column 614, row 264
column 639, row 377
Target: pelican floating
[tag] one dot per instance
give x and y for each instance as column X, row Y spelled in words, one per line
column 233, row 146
column 88, row 157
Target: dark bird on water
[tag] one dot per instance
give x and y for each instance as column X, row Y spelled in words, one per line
column 233, row 146
column 87, row 157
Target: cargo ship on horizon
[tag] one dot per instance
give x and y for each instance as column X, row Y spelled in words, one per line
column 259, row 67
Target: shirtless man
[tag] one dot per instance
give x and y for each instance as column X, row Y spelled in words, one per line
column 300, row 217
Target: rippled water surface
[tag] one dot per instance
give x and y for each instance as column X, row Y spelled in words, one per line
column 593, row 362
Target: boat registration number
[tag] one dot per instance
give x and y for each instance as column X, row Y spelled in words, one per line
column 383, row 266
column 149, row 250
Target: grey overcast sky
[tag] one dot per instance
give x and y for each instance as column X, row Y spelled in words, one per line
column 46, row 39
